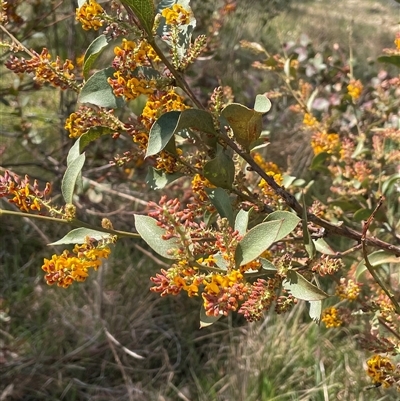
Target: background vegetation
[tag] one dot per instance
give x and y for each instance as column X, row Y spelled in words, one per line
column 52, row 341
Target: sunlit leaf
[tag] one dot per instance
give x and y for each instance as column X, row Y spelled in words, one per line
column 262, row 104
column 315, row 311
column 152, row 233
column 245, row 123
column 70, row 178
column 301, row 288
column 78, row 235
column 375, row 259
column 322, row 247
column 93, row 52
column 144, row 11
column 289, row 222
column 267, row 265
column 256, row 241
column 242, row 221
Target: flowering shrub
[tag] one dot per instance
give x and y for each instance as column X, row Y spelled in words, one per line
column 242, row 234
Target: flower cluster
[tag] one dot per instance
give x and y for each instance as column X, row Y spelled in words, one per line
column 326, row 265
column 25, row 196
column 348, row 289
column 324, row 142
column 331, row 317
column 355, row 87
column 176, row 15
column 85, row 118
column 273, row 171
column 73, row 266
column 383, row 372
column 127, row 82
column 262, row 294
column 89, row 15
column 198, row 185
column 57, row 73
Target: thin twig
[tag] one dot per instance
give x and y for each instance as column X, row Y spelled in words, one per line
column 368, row 265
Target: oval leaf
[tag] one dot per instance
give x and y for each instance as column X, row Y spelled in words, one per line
column 301, row 288
column 267, row 265
column 153, row 234
column 242, row 221
column 375, row 259
column 315, row 311
column 78, row 235
column 256, row 241
column 262, row 104
column 322, row 247
column 245, row 123
column 158, row 179
column 98, row 91
column 93, row 51
column 220, row 171
column 289, row 222
column 220, row 199
column 70, row 178
column 173, row 122
column 161, row 132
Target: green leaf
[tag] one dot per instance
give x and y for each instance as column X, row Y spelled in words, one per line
column 220, row 199
column 242, row 221
column 362, row 214
column 256, row 241
column 245, row 123
column 262, row 104
column 267, row 265
column 322, row 247
column 394, row 59
column 308, row 243
column 144, row 11
column 389, row 183
column 152, row 234
column 311, row 99
column 173, row 122
column 220, row 171
column 78, row 235
column 70, row 178
column 81, row 3
column 318, row 162
column 289, row 222
column 301, row 288
column 315, row 311
column 158, row 179
column 161, row 132
column 93, row 134
column 93, row 52
column 98, row 91
column 205, row 320
column 375, row 259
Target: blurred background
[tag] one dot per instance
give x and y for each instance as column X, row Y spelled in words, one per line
column 53, row 342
